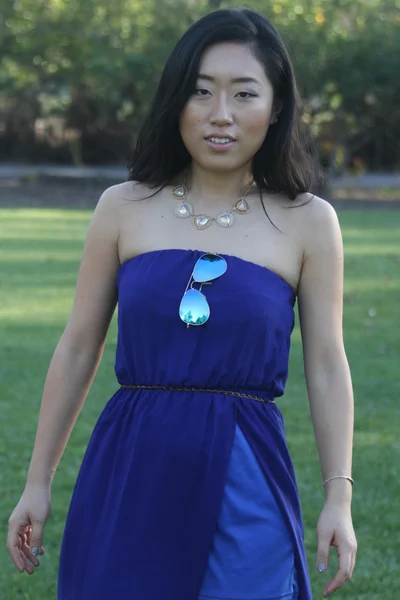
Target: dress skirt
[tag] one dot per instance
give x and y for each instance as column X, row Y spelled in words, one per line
column 187, row 490
column 252, row 556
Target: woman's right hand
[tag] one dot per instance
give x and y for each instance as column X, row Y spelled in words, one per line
column 25, row 527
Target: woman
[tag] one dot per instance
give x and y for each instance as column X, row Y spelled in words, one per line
column 187, row 490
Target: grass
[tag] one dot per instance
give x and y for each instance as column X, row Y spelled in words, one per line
column 39, row 255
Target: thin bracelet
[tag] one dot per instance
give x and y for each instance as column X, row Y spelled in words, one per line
column 338, row 477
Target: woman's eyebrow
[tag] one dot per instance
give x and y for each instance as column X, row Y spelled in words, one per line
column 234, row 80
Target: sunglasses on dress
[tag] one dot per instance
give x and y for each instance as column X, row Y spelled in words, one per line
column 194, row 308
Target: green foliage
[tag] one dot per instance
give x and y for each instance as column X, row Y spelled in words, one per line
column 96, row 63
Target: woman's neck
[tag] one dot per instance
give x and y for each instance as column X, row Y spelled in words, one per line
column 217, row 188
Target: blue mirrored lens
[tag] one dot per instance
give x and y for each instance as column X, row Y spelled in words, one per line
column 209, row 267
column 194, row 308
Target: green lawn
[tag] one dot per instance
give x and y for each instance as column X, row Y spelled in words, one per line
column 39, row 255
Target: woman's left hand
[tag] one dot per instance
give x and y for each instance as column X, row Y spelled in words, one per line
column 335, row 528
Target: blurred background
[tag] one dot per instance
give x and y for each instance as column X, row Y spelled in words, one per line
column 76, row 79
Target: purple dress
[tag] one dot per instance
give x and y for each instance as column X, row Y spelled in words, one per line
column 187, row 490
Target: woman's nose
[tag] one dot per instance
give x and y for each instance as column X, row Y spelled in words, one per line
column 221, row 113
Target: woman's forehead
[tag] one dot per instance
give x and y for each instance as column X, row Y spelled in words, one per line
column 231, row 63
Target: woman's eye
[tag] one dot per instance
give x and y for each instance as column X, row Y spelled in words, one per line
column 201, row 92
column 245, row 95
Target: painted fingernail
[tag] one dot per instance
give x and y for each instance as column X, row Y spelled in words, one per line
column 321, row 567
column 35, row 551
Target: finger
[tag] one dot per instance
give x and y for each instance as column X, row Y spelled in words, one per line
column 14, row 546
column 28, row 532
column 28, row 536
column 324, row 543
column 29, row 568
column 26, row 549
column 343, row 574
column 353, row 562
column 36, row 537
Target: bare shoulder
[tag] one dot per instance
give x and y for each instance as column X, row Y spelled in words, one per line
column 117, row 195
column 130, row 190
column 318, row 223
column 119, row 202
column 319, row 209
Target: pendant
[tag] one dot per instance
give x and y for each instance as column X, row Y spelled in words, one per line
column 184, row 210
column 241, row 206
column 226, row 218
column 179, row 192
column 202, row 221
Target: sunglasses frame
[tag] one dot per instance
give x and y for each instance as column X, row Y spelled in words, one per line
column 192, row 281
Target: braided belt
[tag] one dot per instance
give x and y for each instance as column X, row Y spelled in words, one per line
column 192, row 389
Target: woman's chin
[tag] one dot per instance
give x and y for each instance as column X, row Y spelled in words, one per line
column 220, row 163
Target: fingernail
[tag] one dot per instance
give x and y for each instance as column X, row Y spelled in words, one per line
column 321, row 567
column 35, row 551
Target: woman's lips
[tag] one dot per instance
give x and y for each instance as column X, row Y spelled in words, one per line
column 218, row 146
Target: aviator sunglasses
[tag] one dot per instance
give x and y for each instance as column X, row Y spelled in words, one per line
column 194, row 308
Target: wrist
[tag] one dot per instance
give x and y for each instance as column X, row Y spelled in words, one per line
column 39, row 479
column 338, row 491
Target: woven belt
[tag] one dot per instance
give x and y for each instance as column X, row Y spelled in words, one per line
column 192, row 389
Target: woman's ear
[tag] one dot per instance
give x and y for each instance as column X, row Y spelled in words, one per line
column 274, row 118
column 276, row 112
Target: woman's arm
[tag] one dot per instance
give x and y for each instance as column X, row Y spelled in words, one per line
column 328, row 380
column 69, row 377
column 80, row 348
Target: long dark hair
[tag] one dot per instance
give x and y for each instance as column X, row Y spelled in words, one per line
column 285, row 162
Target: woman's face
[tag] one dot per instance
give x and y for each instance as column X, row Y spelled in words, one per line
column 225, row 121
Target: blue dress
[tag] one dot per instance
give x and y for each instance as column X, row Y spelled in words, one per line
column 187, row 490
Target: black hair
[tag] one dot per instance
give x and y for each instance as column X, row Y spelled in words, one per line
column 284, row 163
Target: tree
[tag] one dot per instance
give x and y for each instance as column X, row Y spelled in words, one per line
column 94, row 64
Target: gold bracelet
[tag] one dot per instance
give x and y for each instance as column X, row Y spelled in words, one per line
column 338, row 477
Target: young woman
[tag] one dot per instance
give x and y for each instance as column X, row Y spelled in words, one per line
column 187, row 490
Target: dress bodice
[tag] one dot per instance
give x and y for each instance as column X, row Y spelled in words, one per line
column 244, row 345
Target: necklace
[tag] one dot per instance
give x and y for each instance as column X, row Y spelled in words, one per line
column 225, row 218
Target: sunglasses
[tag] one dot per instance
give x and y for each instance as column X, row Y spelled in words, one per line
column 194, row 308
